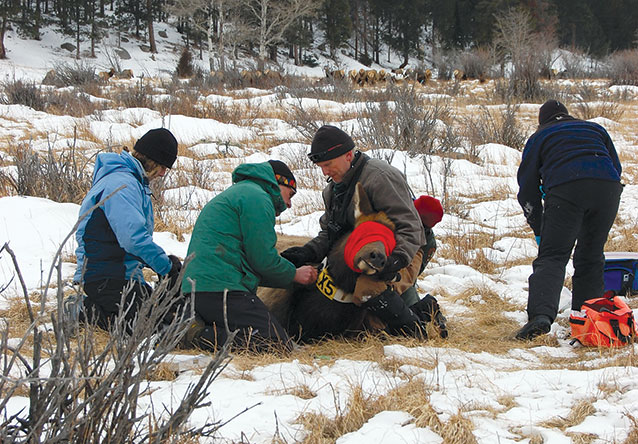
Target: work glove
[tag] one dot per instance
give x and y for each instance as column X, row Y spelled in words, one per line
column 390, row 271
column 173, row 273
column 538, row 240
column 299, row 255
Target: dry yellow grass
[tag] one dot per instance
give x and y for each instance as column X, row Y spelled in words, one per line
column 578, row 413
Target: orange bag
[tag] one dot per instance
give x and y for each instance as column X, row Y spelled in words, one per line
column 608, row 322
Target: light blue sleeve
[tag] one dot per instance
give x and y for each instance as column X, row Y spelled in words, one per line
column 125, row 211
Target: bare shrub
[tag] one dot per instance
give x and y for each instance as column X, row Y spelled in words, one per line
column 477, row 63
column 76, row 74
column 623, row 67
column 71, row 103
column 484, row 127
column 17, row 92
column 243, row 114
column 578, row 65
column 305, row 119
column 528, row 52
column 590, row 104
column 445, row 63
column 137, row 96
column 83, row 390
column 405, row 124
column 63, row 176
column 331, row 88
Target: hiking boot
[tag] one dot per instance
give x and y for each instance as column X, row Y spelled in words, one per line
column 428, row 310
column 199, row 335
column 538, row 325
column 390, row 308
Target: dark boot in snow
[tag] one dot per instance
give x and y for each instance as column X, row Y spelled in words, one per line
column 538, row 325
column 391, row 309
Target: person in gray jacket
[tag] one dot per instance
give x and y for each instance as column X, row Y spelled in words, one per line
column 333, row 151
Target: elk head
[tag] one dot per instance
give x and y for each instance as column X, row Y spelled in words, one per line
column 372, row 239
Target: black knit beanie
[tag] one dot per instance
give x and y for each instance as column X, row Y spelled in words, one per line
column 551, row 110
column 329, row 142
column 283, row 174
column 159, row 145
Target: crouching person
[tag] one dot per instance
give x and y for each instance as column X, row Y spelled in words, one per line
column 115, row 241
column 233, row 244
column 387, row 291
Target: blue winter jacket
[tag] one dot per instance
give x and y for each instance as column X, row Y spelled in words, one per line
column 116, row 239
column 560, row 152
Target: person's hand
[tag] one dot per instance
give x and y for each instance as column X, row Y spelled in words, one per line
column 173, row 273
column 306, row 275
column 390, row 271
column 538, row 240
column 299, row 255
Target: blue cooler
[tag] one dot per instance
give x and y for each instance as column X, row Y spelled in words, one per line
column 620, row 272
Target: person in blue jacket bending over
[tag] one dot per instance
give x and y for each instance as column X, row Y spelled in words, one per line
column 115, row 241
column 571, row 164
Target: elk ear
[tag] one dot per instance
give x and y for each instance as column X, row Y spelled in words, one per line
column 362, row 205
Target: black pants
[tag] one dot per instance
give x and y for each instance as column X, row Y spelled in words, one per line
column 258, row 329
column 581, row 213
column 102, row 302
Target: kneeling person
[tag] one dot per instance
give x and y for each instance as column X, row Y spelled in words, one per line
column 233, row 243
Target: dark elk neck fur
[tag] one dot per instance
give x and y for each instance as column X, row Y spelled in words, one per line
column 337, row 268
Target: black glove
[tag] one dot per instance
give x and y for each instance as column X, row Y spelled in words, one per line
column 390, row 271
column 173, row 273
column 299, row 255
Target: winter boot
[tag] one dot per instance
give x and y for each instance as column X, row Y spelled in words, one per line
column 391, row 309
column 199, row 335
column 538, row 325
column 428, row 310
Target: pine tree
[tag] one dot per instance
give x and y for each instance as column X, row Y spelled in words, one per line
column 336, row 24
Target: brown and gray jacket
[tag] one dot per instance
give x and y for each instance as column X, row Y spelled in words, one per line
column 388, row 191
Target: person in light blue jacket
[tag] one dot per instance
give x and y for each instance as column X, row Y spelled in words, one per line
column 115, row 240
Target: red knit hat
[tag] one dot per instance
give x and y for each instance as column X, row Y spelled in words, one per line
column 366, row 233
column 430, row 210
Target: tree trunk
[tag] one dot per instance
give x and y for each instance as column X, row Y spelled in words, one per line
column 220, row 37
column 3, row 28
column 77, row 35
column 151, row 32
column 93, row 34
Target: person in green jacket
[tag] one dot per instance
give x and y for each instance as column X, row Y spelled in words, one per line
column 233, row 243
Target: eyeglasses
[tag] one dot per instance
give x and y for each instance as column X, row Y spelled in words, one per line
column 321, row 156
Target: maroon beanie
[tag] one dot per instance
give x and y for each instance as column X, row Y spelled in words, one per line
column 283, row 175
column 329, row 142
column 551, row 110
column 430, row 210
column 159, row 145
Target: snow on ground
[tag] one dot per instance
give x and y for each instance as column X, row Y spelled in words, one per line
column 509, row 397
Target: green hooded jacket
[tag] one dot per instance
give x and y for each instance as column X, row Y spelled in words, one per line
column 234, row 237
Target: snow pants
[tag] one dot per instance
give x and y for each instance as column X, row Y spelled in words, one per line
column 582, row 213
column 102, row 302
column 258, row 329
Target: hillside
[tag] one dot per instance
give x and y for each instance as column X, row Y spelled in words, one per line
column 479, row 385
